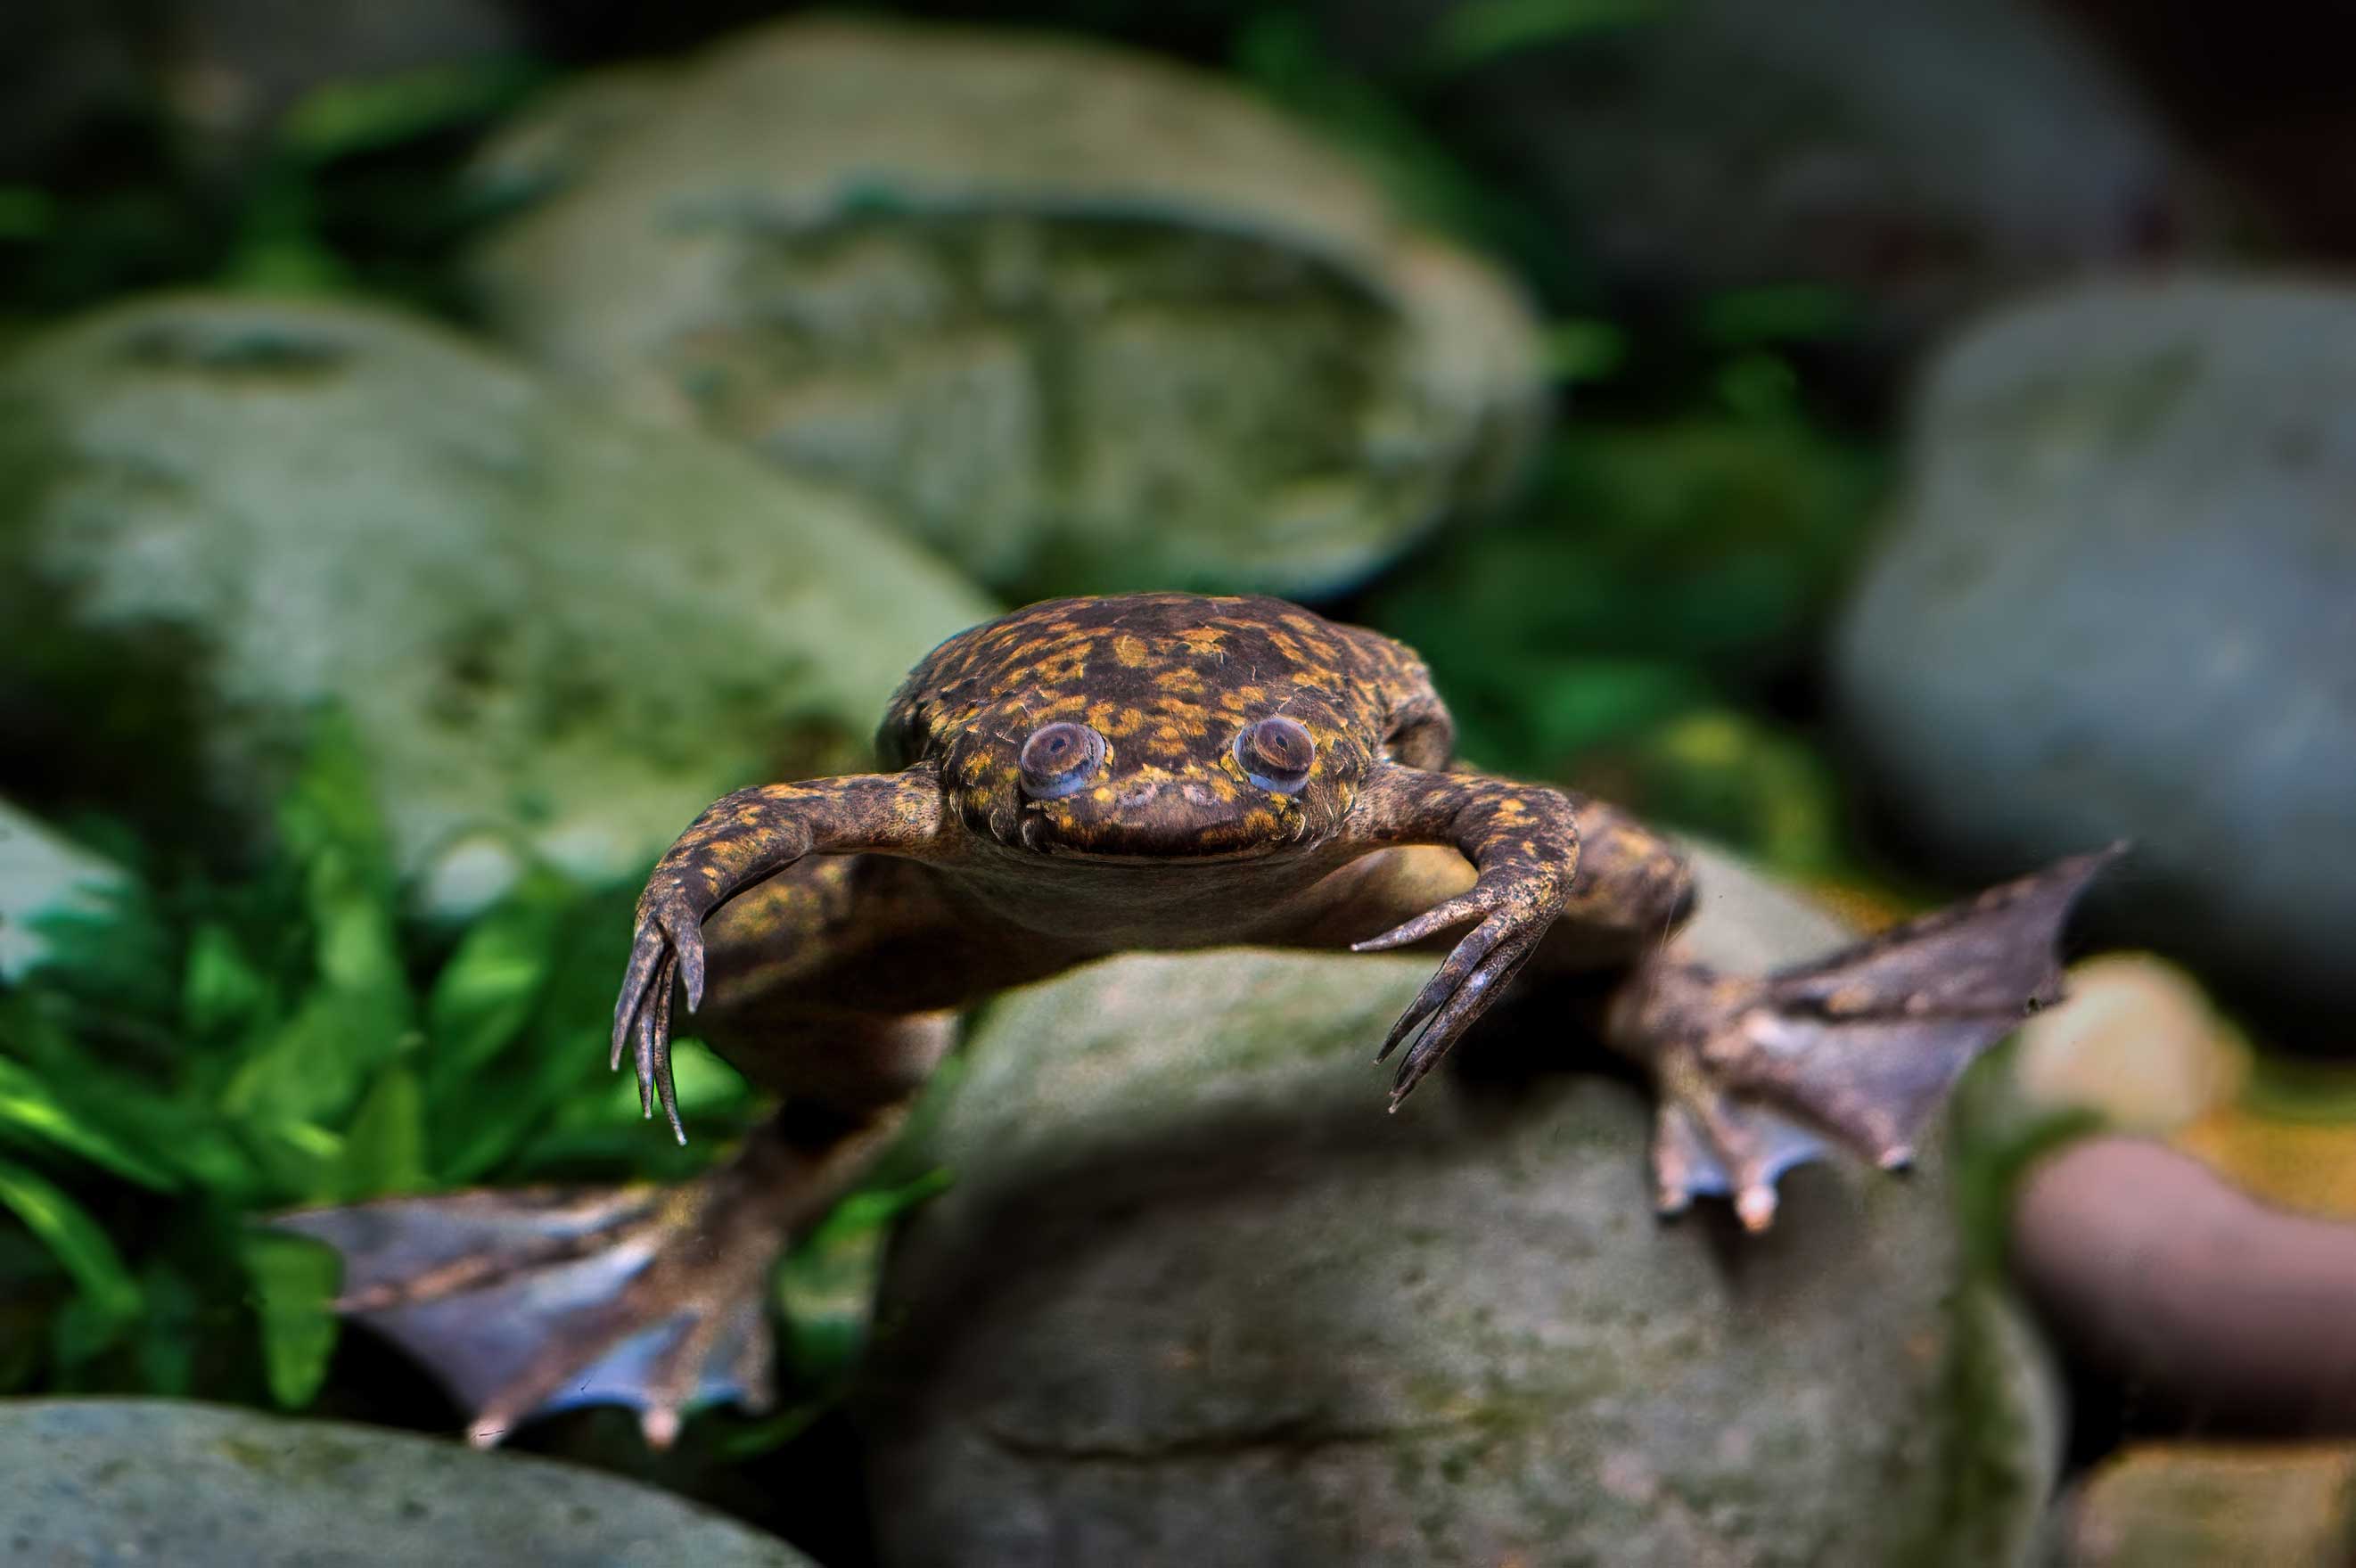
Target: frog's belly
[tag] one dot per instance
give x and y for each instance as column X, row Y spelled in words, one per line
column 1101, row 906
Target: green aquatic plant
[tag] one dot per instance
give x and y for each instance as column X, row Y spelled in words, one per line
column 200, row 1052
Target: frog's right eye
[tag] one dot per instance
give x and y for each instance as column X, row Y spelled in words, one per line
column 1058, row 759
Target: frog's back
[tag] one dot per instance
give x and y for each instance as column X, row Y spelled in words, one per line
column 1162, row 666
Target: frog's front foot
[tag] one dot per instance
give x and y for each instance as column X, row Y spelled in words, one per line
column 1858, row 1049
column 1515, row 911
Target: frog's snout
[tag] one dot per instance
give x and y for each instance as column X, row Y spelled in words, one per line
column 1159, row 815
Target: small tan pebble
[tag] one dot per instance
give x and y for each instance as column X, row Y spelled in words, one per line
column 2178, row 1505
column 2309, row 1167
column 2137, row 1041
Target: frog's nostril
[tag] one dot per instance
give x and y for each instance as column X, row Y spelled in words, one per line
column 1058, row 758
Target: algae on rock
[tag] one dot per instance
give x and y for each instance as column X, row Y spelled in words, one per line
column 1081, row 319
column 548, row 627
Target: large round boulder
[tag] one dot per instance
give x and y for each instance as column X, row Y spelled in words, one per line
column 550, row 629
column 1078, row 318
column 2118, row 600
column 100, row 1482
column 1194, row 1298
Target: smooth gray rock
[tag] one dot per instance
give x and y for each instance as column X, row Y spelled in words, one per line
column 1194, row 1298
column 551, row 629
column 2118, row 598
column 1919, row 158
column 1081, row 319
column 117, row 1483
column 43, row 875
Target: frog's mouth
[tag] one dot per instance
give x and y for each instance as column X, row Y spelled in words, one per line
column 1128, row 843
column 1158, row 822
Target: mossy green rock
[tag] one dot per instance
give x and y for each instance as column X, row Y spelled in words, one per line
column 1081, row 319
column 551, row 629
column 97, row 1483
column 1194, row 1298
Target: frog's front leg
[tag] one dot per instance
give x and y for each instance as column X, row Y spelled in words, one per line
column 1522, row 842
column 738, row 840
column 1755, row 1073
column 526, row 1302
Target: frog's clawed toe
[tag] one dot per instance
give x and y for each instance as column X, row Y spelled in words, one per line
column 527, row 1302
column 1858, row 1049
column 667, row 951
column 1472, row 975
column 1706, row 1145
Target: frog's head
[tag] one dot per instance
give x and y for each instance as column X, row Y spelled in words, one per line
column 1148, row 728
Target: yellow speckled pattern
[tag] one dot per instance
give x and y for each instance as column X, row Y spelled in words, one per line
column 1169, row 680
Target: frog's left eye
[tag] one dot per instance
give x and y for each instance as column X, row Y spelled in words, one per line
column 1276, row 754
column 1058, row 759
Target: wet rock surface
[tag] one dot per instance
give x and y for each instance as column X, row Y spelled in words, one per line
column 548, row 627
column 97, row 1483
column 1077, row 317
column 1194, row 1298
column 2114, row 602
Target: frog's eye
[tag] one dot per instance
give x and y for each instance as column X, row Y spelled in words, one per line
column 1276, row 754
column 1058, row 758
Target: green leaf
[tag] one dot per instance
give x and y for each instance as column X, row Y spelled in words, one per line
column 169, row 1333
column 74, row 1239
column 330, row 811
column 1583, row 349
column 706, row 1085
column 313, row 1067
column 221, row 991
column 295, row 1161
column 385, row 1148
column 485, row 993
column 29, row 1111
column 294, row 1280
column 1775, row 312
column 875, row 1207
column 1479, row 31
column 826, row 1284
column 337, row 119
column 27, row 212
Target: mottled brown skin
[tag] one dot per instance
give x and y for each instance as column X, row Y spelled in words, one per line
column 1248, row 773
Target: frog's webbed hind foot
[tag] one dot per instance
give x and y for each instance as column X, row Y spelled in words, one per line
column 522, row 1302
column 1857, row 1049
column 525, row 1303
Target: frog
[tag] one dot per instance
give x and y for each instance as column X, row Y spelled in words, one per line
column 1089, row 776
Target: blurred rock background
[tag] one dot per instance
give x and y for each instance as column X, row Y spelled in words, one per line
column 441, row 445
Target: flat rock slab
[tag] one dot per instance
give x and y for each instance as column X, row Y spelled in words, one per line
column 114, row 1483
column 1194, row 1298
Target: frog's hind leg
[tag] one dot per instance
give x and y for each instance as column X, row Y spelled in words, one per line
column 1857, row 1049
column 527, row 1301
